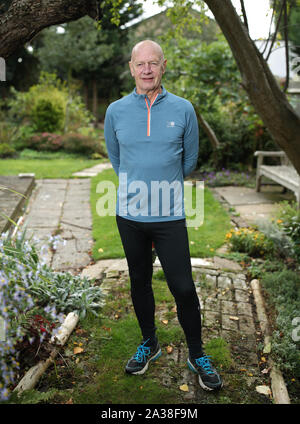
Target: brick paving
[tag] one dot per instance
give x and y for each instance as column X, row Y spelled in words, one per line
column 228, row 311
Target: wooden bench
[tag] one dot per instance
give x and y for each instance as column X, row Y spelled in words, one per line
column 284, row 174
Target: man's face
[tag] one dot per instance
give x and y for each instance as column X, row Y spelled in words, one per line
column 147, row 67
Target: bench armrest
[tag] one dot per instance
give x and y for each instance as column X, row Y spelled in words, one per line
column 274, row 154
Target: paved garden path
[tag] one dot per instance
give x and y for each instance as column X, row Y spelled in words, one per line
column 228, row 311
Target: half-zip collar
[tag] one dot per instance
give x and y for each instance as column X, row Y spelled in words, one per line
column 156, row 100
column 149, row 114
column 159, row 97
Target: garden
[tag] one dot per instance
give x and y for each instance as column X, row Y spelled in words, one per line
column 49, row 130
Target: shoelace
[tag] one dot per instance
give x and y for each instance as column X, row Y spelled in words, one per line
column 142, row 352
column 204, row 362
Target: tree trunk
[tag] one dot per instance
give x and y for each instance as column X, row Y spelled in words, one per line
column 269, row 101
column 208, row 130
column 210, row 134
column 86, row 93
column 25, row 18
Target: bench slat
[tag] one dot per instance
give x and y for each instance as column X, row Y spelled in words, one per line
column 284, row 174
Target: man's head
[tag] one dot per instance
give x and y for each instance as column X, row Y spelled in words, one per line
column 147, row 66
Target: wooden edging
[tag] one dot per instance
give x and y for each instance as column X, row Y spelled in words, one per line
column 279, row 390
column 32, row 376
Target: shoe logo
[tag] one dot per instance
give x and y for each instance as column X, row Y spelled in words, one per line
column 170, row 124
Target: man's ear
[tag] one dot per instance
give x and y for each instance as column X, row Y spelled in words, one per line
column 164, row 65
column 131, row 68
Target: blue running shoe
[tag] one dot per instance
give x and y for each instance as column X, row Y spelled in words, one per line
column 139, row 362
column 209, row 379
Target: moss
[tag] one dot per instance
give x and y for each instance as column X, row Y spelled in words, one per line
column 219, row 349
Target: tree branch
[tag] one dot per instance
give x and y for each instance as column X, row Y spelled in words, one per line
column 287, row 55
column 208, row 130
column 275, row 33
column 244, row 14
column 270, row 27
column 25, row 18
column 264, row 92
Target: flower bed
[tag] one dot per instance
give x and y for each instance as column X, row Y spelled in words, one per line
column 33, row 302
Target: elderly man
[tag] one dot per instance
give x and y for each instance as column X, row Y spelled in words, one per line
column 152, row 142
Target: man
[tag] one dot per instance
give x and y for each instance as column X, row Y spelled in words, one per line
column 152, row 142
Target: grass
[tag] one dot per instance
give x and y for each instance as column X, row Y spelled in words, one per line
column 46, row 164
column 96, row 376
column 204, row 240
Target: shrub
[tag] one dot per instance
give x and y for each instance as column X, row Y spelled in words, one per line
column 6, row 150
column 47, row 116
column 22, row 136
column 33, row 299
column 45, row 142
column 289, row 222
column 7, row 132
column 226, row 177
column 238, row 138
column 283, row 244
column 250, row 241
column 48, row 103
column 78, row 143
column 283, row 289
column 17, row 267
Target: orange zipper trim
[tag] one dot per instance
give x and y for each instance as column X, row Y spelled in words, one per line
column 149, row 115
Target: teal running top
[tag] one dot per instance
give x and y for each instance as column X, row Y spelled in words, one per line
column 152, row 148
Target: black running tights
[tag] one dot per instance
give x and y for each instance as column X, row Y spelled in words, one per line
column 171, row 244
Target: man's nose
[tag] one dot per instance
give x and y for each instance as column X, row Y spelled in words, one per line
column 147, row 68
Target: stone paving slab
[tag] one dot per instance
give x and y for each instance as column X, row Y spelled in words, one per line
column 93, row 171
column 251, row 205
column 245, row 195
column 11, row 203
column 62, row 207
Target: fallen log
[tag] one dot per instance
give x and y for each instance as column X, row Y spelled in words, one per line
column 33, row 375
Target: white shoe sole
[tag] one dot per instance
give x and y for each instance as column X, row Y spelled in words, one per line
column 190, row 365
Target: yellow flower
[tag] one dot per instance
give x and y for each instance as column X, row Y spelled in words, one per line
column 279, row 221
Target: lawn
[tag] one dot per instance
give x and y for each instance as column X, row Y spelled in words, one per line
column 46, row 165
column 204, row 240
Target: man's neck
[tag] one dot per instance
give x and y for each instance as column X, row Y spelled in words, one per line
column 151, row 94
